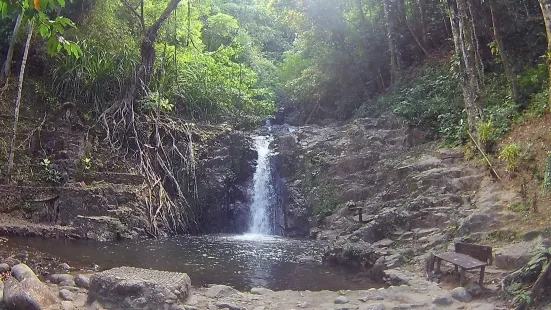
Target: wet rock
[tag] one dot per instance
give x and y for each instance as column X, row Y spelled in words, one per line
column 26, row 292
column 64, row 266
column 100, row 228
column 58, row 278
column 373, row 307
column 66, row 295
column 219, row 291
column 461, row 294
column 341, row 300
column 82, row 281
column 474, row 289
column 138, row 288
column 11, row 261
column 4, row 267
column 260, row 291
column 225, row 305
column 22, row 272
column 442, row 300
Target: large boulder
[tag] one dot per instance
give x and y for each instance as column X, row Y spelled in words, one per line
column 516, row 255
column 24, row 291
column 136, row 288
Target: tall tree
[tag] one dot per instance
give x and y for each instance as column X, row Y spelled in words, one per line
column 18, row 102
column 466, row 48
column 546, row 11
column 392, row 14
column 502, row 51
column 147, row 48
column 6, row 68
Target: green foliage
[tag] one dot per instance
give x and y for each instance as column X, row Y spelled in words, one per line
column 519, row 207
column 325, row 203
column 546, row 186
column 154, row 101
column 533, row 79
column 48, row 172
column 430, row 100
column 539, row 104
column 511, row 155
column 486, row 132
column 100, row 76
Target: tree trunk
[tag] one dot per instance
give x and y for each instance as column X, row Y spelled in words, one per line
column 7, row 64
column 147, row 51
column 18, row 103
column 404, row 16
column 507, row 66
column 546, row 10
column 391, row 13
column 464, row 37
column 423, row 21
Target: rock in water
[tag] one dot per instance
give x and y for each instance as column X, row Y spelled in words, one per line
column 136, row 288
column 22, row 272
column 82, row 281
column 4, row 267
column 461, row 294
column 341, row 300
column 59, row 278
column 25, row 291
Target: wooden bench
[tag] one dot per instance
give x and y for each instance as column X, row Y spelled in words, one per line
column 466, row 256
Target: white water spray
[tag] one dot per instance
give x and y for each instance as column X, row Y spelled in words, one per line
column 262, row 191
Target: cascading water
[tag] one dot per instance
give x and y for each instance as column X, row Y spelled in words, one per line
column 262, row 190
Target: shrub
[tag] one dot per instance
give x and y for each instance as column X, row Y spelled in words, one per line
column 487, row 132
column 511, row 154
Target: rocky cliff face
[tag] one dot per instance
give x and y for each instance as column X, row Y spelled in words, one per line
column 105, row 201
column 413, row 196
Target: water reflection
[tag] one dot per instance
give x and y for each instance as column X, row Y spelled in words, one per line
column 241, row 261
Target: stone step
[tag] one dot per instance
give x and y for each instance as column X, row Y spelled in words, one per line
column 114, row 178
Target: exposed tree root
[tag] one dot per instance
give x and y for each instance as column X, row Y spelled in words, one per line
column 163, row 149
column 527, row 284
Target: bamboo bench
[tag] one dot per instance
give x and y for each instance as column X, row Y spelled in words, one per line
column 467, row 257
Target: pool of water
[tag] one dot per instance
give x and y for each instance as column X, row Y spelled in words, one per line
column 242, row 261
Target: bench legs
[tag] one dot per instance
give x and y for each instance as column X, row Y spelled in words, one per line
column 360, row 213
column 438, row 262
column 481, row 279
column 462, row 277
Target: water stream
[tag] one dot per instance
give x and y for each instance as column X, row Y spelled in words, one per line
column 242, row 261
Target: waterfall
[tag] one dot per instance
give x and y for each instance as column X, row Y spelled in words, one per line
column 262, row 190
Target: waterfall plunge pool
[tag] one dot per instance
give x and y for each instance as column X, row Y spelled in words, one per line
column 241, row 261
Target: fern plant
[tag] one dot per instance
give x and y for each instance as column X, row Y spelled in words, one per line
column 511, row 154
